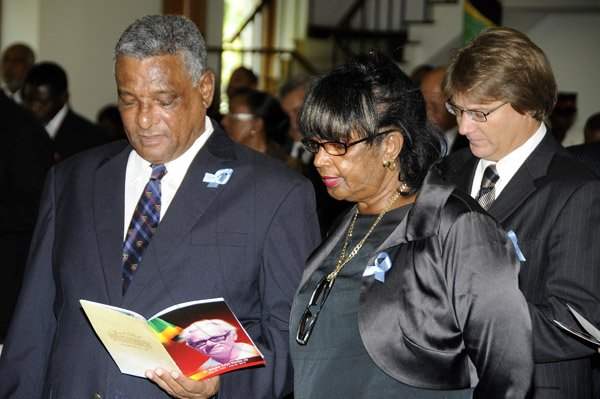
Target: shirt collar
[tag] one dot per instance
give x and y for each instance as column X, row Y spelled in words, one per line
column 508, row 166
column 177, row 168
column 54, row 124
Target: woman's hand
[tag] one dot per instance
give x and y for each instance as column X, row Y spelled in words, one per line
column 180, row 386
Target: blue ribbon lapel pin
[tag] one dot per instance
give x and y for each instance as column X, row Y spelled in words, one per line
column 513, row 238
column 220, row 177
column 383, row 263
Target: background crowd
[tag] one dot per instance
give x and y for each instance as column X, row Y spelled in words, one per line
column 454, row 175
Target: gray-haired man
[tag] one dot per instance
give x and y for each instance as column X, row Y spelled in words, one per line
column 215, row 220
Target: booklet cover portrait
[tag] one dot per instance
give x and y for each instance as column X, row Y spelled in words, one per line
column 201, row 339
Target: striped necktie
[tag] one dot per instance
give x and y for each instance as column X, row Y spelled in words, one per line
column 143, row 225
column 487, row 192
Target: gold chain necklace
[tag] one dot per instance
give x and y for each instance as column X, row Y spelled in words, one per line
column 341, row 261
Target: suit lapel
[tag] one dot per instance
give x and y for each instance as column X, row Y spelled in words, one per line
column 192, row 200
column 459, row 168
column 523, row 183
column 109, row 197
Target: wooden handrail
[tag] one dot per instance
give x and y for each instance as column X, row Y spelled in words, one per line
column 345, row 20
column 257, row 11
column 263, row 50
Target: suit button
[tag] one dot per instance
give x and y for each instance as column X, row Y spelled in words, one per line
column 96, row 396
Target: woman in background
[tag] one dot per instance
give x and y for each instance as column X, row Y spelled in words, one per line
column 257, row 120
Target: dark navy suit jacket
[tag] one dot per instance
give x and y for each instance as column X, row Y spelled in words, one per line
column 25, row 157
column 246, row 241
column 76, row 134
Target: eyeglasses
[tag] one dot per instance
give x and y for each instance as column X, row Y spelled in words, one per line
column 240, row 116
column 477, row 116
column 202, row 342
column 309, row 317
column 335, row 147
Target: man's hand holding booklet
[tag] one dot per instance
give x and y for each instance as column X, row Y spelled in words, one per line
column 200, row 339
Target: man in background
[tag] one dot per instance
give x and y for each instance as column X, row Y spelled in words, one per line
column 109, row 119
column 589, row 152
column 419, row 72
column 25, row 157
column 17, row 59
column 46, row 94
column 179, row 213
column 591, row 130
column 563, row 116
column 431, row 87
column 291, row 96
column 500, row 88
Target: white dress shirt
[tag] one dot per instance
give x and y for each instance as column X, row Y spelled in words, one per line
column 16, row 96
column 509, row 165
column 54, row 124
column 138, row 173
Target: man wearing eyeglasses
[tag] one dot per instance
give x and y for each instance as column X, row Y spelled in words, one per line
column 217, row 338
column 500, row 88
column 431, row 88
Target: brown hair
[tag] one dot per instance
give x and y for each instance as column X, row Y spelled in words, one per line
column 503, row 64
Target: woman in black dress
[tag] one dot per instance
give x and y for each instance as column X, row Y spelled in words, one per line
column 414, row 294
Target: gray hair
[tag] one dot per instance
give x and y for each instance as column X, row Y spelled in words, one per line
column 156, row 35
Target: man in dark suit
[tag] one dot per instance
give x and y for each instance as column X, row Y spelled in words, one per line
column 591, row 130
column 588, row 154
column 17, row 59
column 46, row 94
column 25, row 157
column 501, row 87
column 233, row 224
column 431, row 88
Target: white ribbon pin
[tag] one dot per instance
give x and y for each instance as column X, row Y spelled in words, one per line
column 383, row 263
column 220, row 177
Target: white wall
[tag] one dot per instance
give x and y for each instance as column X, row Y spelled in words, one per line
column 80, row 36
column 21, row 22
column 572, row 43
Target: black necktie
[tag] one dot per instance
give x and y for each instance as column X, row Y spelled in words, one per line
column 143, row 225
column 487, row 192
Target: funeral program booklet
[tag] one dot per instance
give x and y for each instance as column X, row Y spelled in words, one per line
column 200, row 339
column 591, row 334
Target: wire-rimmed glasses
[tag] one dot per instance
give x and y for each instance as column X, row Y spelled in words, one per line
column 476, row 115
